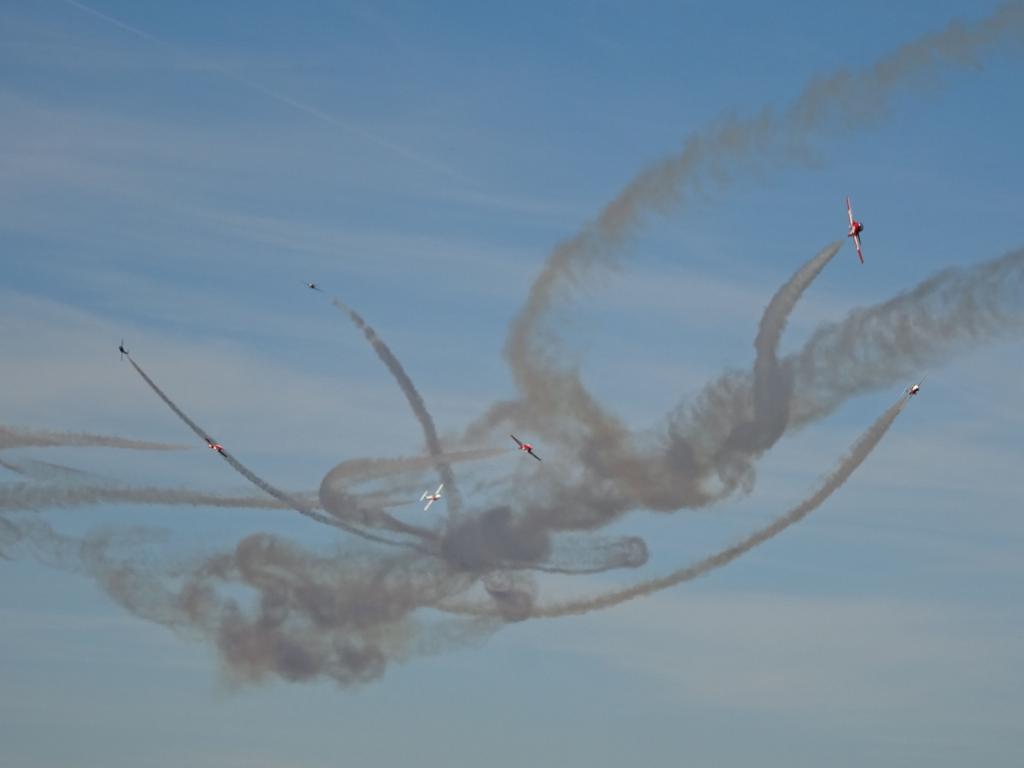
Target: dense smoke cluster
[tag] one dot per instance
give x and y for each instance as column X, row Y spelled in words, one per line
column 272, row 607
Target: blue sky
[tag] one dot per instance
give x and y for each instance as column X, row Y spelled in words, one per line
column 174, row 178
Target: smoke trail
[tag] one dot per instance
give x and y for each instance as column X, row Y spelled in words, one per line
column 15, row 468
column 170, row 404
column 24, row 496
column 344, row 507
column 772, row 383
column 880, row 345
column 349, row 615
column 345, row 616
column 370, row 469
column 715, row 437
column 334, row 496
column 11, row 437
column 341, row 616
column 839, row 101
column 419, row 408
column 704, row 455
column 588, row 554
column 874, row 346
column 306, row 510
column 860, row 450
column 259, row 482
column 48, row 471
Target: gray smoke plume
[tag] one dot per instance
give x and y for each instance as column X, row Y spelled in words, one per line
column 347, row 513
column 11, row 437
column 873, row 347
column 349, row 615
column 838, row 102
column 877, row 346
column 696, row 462
column 705, row 440
column 346, row 615
column 415, row 400
column 860, row 450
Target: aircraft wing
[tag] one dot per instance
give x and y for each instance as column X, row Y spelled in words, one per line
column 856, row 241
column 428, row 505
column 849, row 211
column 535, row 455
column 518, row 441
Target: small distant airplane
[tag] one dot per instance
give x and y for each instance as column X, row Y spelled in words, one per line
column 430, row 498
column 913, row 390
column 215, row 446
column 855, row 229
column 525, row 447
column 314, row 286
column 121, row 349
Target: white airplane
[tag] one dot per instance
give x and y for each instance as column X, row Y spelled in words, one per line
column 430, row 498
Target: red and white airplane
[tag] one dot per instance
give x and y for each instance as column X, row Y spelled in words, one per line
column 914, row 389
column 430, row 498
column 215, row 446
column 855, row 229
column 525, row 447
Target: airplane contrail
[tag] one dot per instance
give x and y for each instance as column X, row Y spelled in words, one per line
column 324, row 117
column 415, row 400
column 11, row 437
